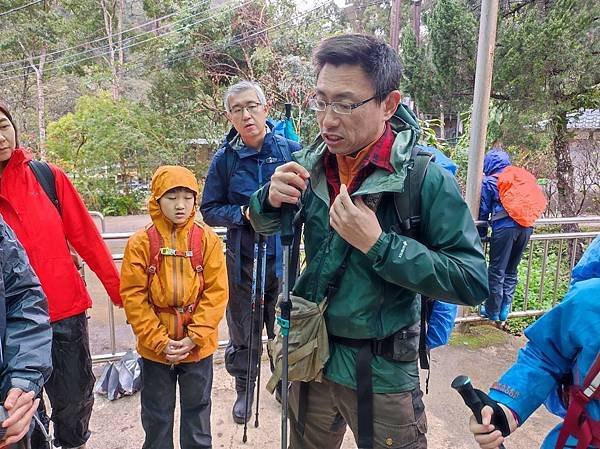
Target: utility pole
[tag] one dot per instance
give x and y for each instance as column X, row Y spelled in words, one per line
column 417, row 20
column 481, row 102
column 395, row 24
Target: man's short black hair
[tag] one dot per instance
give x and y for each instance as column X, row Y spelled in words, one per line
column 378, row 60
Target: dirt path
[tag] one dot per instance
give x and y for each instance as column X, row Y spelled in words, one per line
column 116, row 425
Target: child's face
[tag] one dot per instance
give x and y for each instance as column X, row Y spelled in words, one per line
column 177, row 205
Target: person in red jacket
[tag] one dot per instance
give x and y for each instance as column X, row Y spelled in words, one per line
column 46, row 233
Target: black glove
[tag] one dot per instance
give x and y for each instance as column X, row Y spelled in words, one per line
column 499, row 419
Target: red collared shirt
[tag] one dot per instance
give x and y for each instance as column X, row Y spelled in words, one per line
column 379, row 157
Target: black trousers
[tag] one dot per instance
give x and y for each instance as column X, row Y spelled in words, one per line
column 239, row 315
column 70, row 387
column 159, row 383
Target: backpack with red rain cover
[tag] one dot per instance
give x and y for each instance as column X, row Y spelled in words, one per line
column 183, row 315
column 520, row 196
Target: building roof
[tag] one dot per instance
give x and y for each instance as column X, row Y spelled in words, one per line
column 587, row 119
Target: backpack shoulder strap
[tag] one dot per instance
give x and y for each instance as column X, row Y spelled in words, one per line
column 591, row 383
column 408, row 210
column 284, row 147
column 408, row 202
column 195, row 238
column 230, row 162
column 156, row 242
column 45, row 177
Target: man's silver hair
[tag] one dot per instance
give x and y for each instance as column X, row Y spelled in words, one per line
column 241, row 87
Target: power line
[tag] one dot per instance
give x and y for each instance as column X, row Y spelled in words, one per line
column 19, row 8
column 221, row 9
column 100, row 39
column 229, row 42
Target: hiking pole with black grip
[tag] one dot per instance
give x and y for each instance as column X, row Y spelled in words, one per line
column 261, row 315
column 250, row 336
column 287, row 240
column 473, row 400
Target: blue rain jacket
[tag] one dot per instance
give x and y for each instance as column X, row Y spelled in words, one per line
column 563, row 341
column 25, row 332
column 495, row 162
column 235, row 173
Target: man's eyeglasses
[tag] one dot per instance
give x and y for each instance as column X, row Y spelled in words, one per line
column 336, row 106
column 252, row 108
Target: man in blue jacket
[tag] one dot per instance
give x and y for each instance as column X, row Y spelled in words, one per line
column 244, row 163
column 25, row 335
column 507, row 243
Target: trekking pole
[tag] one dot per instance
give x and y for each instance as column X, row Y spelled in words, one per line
column 464, row 387
column 263, row 281
column 287, row 239
column 252, row 315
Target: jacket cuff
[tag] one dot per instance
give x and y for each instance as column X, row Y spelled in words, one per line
column 197, row 339
column 160, row 347
column 373, row 253
column 25, row 385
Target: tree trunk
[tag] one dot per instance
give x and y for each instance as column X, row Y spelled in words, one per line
column 416, row 4
column 395, row 24
column 120, row 31
column 41, row 101
column 565, row 180
column 564, row 168
column 442, row 124
column 108, row 26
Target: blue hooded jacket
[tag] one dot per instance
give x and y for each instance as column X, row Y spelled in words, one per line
column 564, row 341
column 235, row 173
column 496, row 160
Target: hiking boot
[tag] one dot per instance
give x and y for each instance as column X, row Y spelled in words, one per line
column 239, row 406
column 484, row 314
column 504, row 311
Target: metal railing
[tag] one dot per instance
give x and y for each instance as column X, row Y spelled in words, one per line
column 572, row 240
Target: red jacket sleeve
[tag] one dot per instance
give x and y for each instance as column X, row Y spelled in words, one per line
column 83, row 235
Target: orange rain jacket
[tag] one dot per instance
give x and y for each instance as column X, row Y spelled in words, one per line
column 176, row 283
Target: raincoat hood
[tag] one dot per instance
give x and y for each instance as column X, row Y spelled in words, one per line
column 495, row 160
column 164, row 179
column 588, row 266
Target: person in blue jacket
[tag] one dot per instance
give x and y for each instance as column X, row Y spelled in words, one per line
column 563, row 343
column 245, row 162
column 507, row 243
column 25, row 336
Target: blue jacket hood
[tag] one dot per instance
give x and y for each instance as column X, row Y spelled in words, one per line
column 495, row 160
column 588, row 266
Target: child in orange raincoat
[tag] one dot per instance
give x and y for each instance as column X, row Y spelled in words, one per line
column 174, row 290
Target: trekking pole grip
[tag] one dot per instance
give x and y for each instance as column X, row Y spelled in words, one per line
column 287, row 224
column 464, row 387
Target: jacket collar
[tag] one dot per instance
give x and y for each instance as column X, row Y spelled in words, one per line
column 406, row 130
column 233, row 141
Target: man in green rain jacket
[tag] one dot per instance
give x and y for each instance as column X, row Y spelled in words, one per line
column 363, row 151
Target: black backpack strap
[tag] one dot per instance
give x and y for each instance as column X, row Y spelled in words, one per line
column 408, row 210
column 408, row 202
column 230, row 162
column 45, row 177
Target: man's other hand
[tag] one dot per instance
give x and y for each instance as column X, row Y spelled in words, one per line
column 354, row 222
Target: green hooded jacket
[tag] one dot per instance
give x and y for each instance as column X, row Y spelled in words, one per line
column 378, row 292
